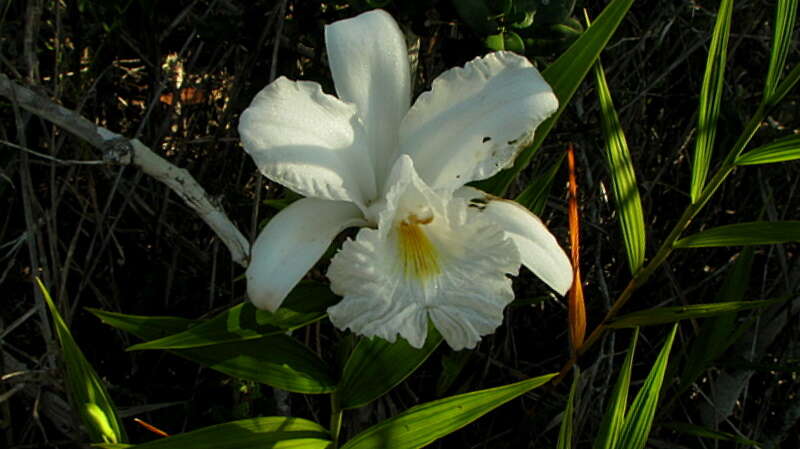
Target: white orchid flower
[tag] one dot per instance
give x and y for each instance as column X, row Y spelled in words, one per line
column 427, row 249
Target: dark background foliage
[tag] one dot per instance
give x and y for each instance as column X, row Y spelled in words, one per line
column 178, row 74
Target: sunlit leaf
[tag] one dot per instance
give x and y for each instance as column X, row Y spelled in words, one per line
column 639, row 419
column 783, row 28
column 623, row 178
column 87, row 393
column 710, row 98
column 782, row 150
column 269, row 432
column 614, row 419
column 662, row 315
column 743, row 234
column 277, row 360
column 376, row 366
column 423, row 424
column 564, row 76
column 306, row 304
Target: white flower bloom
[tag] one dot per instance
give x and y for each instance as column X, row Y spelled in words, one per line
column 430, row 248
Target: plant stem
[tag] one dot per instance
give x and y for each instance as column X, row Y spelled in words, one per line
column 336, row 420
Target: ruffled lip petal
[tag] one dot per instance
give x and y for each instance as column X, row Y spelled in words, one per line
column 475, row 119
column 308, row 141
column 538, row 248
column 369, row 63
column 291, row 244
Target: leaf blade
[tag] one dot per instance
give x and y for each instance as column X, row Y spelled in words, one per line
column 744, row 234
column 781, row 150
column 785, row 17
column 663, row 315
column 614, row 418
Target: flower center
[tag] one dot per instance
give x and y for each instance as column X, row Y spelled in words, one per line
column 419, row 256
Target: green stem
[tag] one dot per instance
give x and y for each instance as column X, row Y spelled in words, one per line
column 668, row 244
column 336, row 420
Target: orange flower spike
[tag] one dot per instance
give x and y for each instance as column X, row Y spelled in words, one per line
column 577, row 309
column 151, row 427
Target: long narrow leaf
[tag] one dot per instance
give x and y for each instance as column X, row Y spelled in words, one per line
column 423, row 424
column 785, row 17
column 565, row 432
column 623, row 178
column 614, row 418
column 564, row 76
column 269, row 432
column 535, row 195
column 743, row 234
column 705, row 432
column 87, row 393
column 639, row 420
column 781, row 150
column 662, row 315
column 710, row 97
column 376, row 366
column 277, row 360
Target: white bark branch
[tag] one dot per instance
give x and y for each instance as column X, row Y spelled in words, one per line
column 120, row 150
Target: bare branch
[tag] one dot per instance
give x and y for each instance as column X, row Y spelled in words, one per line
column 120, row 150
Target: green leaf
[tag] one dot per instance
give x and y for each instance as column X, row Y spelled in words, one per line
column 623, row 178
column 277, row 360
column 564, row 76
column 534, row 197
column 786, row 85
column 614, row 419
column 782, row 150
column 565, row 432
column 505, row 40
column 376, row 366
column 785, row 17
column 88, row 395
column 476, row 14
column 662, row 315
column 705, row 432
column 743, row 234
column 304, row 305
column 269, row 432
column 423, row 424
column 710, row 97
column 639, row 420
column 144, row 327
column 452, row 365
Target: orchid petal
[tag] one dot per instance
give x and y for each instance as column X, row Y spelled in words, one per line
column 538, row 248
column 369, row 62
column 475, row 119
column 308, row 141
column 291, row 244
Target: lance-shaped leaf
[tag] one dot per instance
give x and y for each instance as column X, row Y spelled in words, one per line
column 267, row 432
column 705, row 432
column 534, row 197
column 639, row 419
column 614, row 419
column 376, row 366
column 278, row 360
column 781, row 150
column 564, row 76
column 743, row 234
column 662, row 315
column 565, row 432
column 423, row 424
column 710, row 97
column 305, row 304
column 785, row 17
column 87, row 393
column 623, row 178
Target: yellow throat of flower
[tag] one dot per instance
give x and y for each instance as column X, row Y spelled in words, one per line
column 419, row 257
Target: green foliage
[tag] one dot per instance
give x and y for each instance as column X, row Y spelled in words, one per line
column 304, row 305
column 376, row 366
column 704, row 432
column 781, row 150
column 565, row 432
column 741, row 234
column 277, row 360
column 783, row 28
column 423, row 424
column 614, row 418
column 564, row 76
column 88, row 395
column 623, row 178
column 269, row 432
column 663, row 315
column 534, row 196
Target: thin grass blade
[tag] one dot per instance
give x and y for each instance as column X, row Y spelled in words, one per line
column 705, row 432
column 421, row 425
column 614, row 419
column 534, row 197
column 565, row 432
column 783, row 28
column 663, row 315
column 87, row 392
column 710, row 98
column 743, row 234
column 623, row 178
column 639, row 420
column 782, row 150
